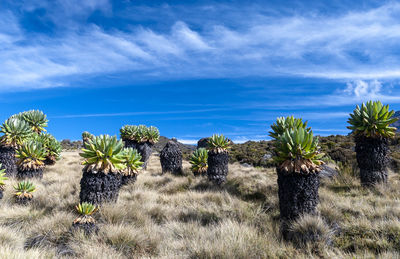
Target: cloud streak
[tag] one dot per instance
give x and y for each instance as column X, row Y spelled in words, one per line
column 358, row 45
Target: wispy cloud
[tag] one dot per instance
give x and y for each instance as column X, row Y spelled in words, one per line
column 122, row 114
column 357, row 45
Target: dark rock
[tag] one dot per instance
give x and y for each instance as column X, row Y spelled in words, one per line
column 171, row 158
column 217, row 167
column 372, row 159
column 8, row 160
column 298, row 195
column 202, row 143
column 246, row 165
column 327, row 172
column 100, row 187
column 23, row 174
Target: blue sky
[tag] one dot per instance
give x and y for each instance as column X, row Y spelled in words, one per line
column 194, row 68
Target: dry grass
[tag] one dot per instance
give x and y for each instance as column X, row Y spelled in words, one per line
column 163, row 216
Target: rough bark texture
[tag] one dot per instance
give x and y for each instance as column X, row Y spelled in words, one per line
column 298, row 194
column 372, row 158
column 23, row 174
column 217, row 167
column 100, row 187
column 145, row 149
column 171, row 158
column 88, row 228
column 130, row 143
column 23, row 201
column 127, row 179
column 202, row 143
column 8, row 160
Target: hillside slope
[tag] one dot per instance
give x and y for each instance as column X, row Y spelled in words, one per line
column 162, row 216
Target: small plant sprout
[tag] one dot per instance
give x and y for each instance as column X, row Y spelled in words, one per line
column 2, row 178
column 24, row 190
column 198, row 160
column 85, row 211
column 132, row 160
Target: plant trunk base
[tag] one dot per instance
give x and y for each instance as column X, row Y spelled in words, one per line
column 8, row 160
column 100, row 187
column 127, row 179
column 372, row 158
column 298, row 195
column 171, row 158
column 23, row 174
column 88, row 228
column 23, row 200
column 370, row 178
column 217, row 167
column 49, row 161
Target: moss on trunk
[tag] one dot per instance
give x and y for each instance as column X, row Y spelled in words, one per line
column 217, row 167
column 8, row 160
column 372, row 158
column 171, row 158
column 100, row 187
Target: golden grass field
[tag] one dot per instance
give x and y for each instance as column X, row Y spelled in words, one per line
column 163, row 216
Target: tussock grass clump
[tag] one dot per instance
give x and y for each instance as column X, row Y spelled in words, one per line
column 162, row 216
column 310, row 231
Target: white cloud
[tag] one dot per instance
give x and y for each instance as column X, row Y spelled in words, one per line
column 188, row 141
column 364, row 89
column 358, row 45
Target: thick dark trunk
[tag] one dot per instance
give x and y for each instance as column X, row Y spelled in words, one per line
column 298, row 195
column 23, row 200
column 88, row 228
column 1, row 194
column 145, row 149
column 130, row 143
column 171, row 158
column 8, row 160
column 372, row 158
column 127, row 179
column 202, row 143
column 50, row 161
column 217, row 167
column 100, row 187
column 23, row 174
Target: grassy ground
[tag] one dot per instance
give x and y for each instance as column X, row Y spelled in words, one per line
column 186, row 217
